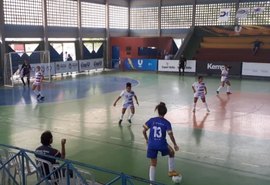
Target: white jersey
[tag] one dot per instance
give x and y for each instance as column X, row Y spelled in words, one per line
column 38, row 77
column 224, row 75
column 128, row 98
column 200, row 89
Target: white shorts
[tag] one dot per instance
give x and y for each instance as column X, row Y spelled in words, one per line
column 37, row 83
column 199, row 95
column 128, row 105
column 224, row 79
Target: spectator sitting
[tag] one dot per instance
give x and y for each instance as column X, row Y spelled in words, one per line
column 256, row 46
column 69, row 58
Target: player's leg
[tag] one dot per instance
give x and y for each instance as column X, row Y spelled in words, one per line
column 152, row 154
column 171, row 161
column 194, row 104
column 205, row 104
column 228, row 87
column 28, row 79
column 23, row 80
column 132, row 112
column 183, row 70
column 220, row 87
column 122, row 115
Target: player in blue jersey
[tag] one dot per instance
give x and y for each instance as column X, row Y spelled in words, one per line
column 37, row 83
column 157, row 142
column 200, row 90
column 128, row 95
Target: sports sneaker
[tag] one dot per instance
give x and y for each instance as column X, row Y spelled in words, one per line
column 173, row 173
column 38, row 96
column 217, row 92
column 120, row 121
column 129, row 120
column 42, row 98
column 229, row 93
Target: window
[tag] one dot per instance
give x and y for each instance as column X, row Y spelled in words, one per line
column 144, row 18
column 176, row 16
column 118, row 17
column 21, row 12
column 62, row 13
column 93, row 15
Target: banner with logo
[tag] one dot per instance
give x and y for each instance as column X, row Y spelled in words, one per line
column 141, row 64
column 256, row 69
column 224, row 14
column 46, row 69
column 65, row 67
column 242, row 13
column 214, row 68
column 172, row 66
column 86, row 65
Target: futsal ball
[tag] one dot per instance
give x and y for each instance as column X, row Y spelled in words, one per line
column 177, row 179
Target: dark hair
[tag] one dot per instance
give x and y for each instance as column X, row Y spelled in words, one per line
column 46, row 138
column 200, row 77
column 128, row 84
column 161, row 108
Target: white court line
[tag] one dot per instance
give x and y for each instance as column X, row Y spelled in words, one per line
column 248, row 164
column 115, row 138
column 75, row 131
column 94, row 134
column 139, row 143
column 192, row 153
column 217, row 158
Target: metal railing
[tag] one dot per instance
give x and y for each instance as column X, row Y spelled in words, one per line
column 16, row 164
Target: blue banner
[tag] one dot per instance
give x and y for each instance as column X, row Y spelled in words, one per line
column 141, row 64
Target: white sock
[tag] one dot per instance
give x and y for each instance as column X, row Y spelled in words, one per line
column 152, row 173
column 194, row 105
column 130, row 116
column 228, row 88
column 220, row 87
column 205, row 104
column 121, row 117
column 171, row 163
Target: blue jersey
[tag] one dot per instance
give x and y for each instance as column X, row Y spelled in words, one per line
column 157, row 138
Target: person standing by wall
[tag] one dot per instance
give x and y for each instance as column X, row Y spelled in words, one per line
column 182, row 64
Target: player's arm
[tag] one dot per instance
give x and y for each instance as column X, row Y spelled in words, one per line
column 136, row 99
column 145, row 128
column 205, row 90
column 63, row 148
column 193, row 88
column 170, row 133
column 114, row 104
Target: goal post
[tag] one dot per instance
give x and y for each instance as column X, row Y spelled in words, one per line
column 13, row 63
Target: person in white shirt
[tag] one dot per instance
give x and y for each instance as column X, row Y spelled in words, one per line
column 128, row 95
column 37, row 83
column 200, row 90
column 225, row 79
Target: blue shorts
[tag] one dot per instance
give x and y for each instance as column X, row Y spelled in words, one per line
column 152, row 153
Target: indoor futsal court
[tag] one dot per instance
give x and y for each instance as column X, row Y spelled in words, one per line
column 230, row 145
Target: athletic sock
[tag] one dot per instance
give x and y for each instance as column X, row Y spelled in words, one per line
column 220, row 87
column 130, row 116
column 171, row 164
column 152, row 173
column 228, row 88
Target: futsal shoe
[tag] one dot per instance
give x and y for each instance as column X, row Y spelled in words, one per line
column 217, row 92
column 173, row 173
column 119, row 123
column 41, row 98
column 38, row 96
column 229, row 93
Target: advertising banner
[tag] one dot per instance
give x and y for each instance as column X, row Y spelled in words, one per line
column 86, row 65
column 46, row 69
column 172, row 66
column 141, row 64
column 256, row 69
column 214, row 68
column 65, row 67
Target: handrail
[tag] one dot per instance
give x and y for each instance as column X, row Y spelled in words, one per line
column 68, row 165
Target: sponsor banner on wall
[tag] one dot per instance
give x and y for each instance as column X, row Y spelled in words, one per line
column 172, row 66
column 141, row 64
column 224, row 14
column 45, row 68
column 86, row 65
column 214, row 68
column 256, row 69
column 65, row 67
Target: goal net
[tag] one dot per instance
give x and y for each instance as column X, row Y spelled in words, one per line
column 13, row 63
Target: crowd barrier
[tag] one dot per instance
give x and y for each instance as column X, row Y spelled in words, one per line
column 17, row 164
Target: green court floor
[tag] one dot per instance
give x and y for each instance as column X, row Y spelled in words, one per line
column 229, row 146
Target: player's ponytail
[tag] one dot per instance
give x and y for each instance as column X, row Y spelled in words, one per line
column 161, row 108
